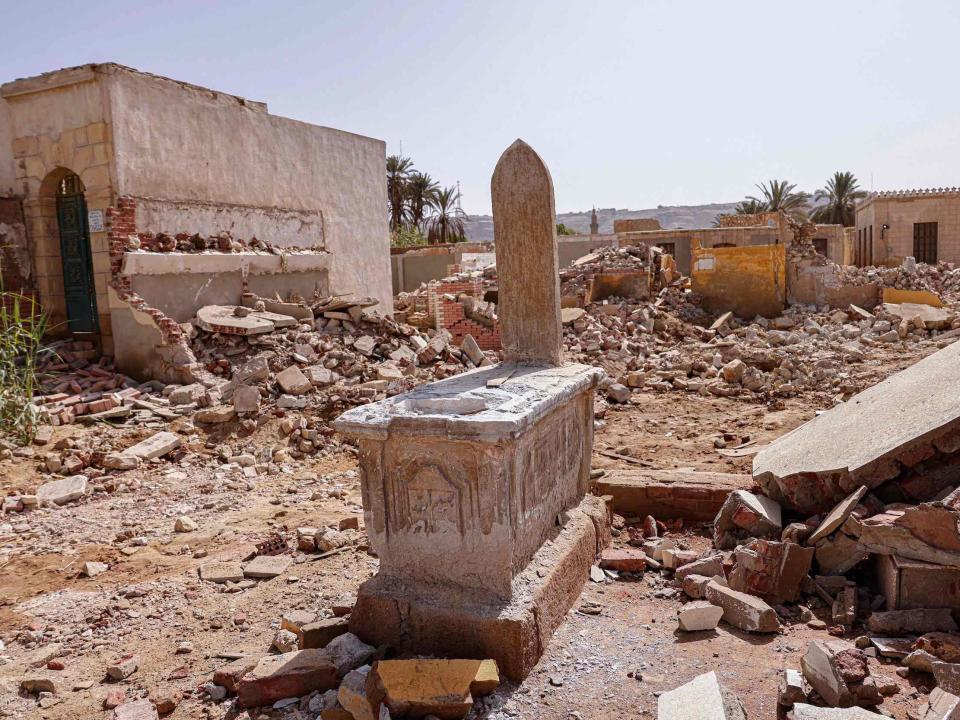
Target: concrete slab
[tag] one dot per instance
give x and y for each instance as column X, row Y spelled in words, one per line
column 703, row 698
column 897, row 423
column 155, row 446
column 267, row 566
column 666, row 494
column 933, row 318
column 222, row 319
column 62, row 491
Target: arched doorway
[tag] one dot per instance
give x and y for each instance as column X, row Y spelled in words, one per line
column 80, row 295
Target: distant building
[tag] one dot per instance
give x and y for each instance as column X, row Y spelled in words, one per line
column 594, row 224
column 892, row 225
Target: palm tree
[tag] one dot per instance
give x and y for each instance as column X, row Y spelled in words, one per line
column 398, row 173
column 421, row 194
column 841, row 194
column 446, row 224
column 781, row 195
column 751, row 206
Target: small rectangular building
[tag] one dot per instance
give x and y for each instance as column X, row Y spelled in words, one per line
column 892, row 225
column 120, row 179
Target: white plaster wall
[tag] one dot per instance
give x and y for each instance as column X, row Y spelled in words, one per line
column 180, row 145
column 8, row 172
column 283, row 228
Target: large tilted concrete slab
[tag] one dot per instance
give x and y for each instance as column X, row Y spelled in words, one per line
column 909, row 417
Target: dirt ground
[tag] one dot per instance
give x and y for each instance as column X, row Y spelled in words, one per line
column 611, row 665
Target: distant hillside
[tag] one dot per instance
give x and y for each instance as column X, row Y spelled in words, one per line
column 480, row 227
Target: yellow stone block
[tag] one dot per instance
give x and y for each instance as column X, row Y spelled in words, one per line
column 101, row 153
column 24, row 146
column 97, row 132
column 444, row 688
column 96, row 177
column 82, row 159
column 80, row 137
column 35, row 167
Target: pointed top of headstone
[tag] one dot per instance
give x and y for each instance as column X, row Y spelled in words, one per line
column 524, row 230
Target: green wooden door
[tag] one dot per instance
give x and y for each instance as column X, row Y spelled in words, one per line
column 81, row 297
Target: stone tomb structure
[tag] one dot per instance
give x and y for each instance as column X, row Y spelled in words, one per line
column 474, row 487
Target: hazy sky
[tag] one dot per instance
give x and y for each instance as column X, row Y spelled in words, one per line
column 631, row 104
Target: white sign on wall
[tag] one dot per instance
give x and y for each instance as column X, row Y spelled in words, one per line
column 95, row 220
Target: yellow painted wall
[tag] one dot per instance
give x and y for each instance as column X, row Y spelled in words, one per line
column 749, row 280
column 918, row 297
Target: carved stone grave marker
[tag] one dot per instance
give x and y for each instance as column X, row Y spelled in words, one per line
column 524, row 229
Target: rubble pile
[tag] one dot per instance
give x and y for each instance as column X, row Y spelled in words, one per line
column 322, row 367
column 72, row 386
column 647, row 346
column 857, row 534
column 575, row 279
column 223, row 242
column 942, row 278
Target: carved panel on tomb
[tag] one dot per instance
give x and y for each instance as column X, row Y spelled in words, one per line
column 428, row 492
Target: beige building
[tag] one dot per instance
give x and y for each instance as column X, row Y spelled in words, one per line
column 893, row 225
column 179, row 159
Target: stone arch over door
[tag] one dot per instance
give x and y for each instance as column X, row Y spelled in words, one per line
column 43, row 161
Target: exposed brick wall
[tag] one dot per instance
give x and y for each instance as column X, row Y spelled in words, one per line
column 449, row 314
column 16, row 273
column 122, row 223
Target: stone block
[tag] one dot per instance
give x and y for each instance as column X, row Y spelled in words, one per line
column 836, row 517
column 942, row 705
column 917, row 621
column 292, row 674
column 745, row 515
column 695, row 586
column 293, row 381
column 229, row 675
column 699, row 615
column 802, row 711
column 348, row 652
column 60, row 492
column 320, row 376
column 626, row 559
column 793, row 688
column 246, row 398
column 702, row 697
column 771, row 570
column 320, row 633
column 836, row 670
column 215, row 414
column 742, row 610
column 221, row 572
column 947, row 676
column 866, row 440
column 709, row 566
column 443, row 688
column 838, row 554
column 267, row 566
column 157, row 445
